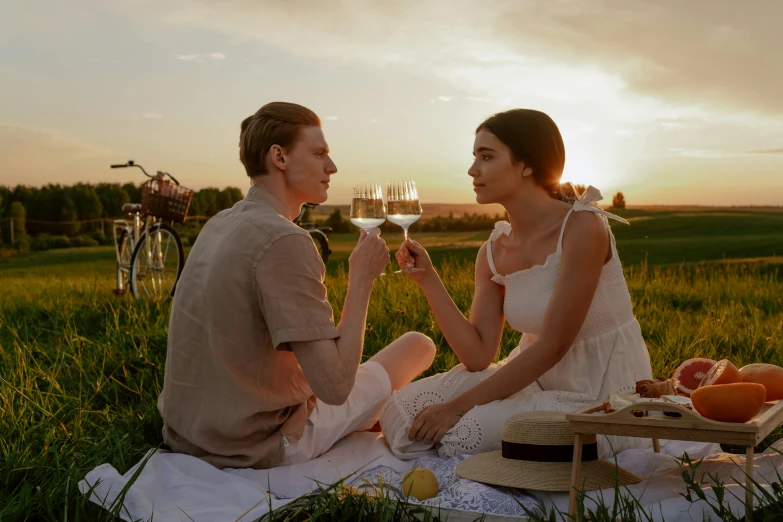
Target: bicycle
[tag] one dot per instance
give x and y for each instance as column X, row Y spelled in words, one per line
column 149, row 251
column 319, row 234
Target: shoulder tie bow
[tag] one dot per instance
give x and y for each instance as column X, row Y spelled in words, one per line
column 501, row 227
column 586, row 200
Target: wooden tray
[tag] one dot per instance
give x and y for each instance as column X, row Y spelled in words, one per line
column 689, row 426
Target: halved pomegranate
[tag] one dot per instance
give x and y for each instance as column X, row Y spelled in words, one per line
column 691, row 372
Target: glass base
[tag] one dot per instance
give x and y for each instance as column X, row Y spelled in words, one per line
column 407, row 270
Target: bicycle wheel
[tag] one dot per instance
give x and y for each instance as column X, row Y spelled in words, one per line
column 156, row 263
column 321, row 243
column 125, row 249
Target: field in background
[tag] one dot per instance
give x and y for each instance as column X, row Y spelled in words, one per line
column 80, row 369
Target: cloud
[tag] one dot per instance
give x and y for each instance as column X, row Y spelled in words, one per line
column 153, row 116
column 716, row 153
column 700, row 153
column 724, row 56
column 679, row 52
column 200, row 58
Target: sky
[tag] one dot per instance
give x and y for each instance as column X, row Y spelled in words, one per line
column 670, row 102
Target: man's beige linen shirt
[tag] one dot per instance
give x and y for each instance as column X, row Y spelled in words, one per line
column 253, row 283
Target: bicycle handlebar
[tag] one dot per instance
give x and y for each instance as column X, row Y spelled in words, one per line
column 131, row 163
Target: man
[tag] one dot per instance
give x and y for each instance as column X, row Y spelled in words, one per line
column 257, row 374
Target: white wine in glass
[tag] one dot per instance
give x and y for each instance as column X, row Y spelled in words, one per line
column 367, row 208
column 403, row 209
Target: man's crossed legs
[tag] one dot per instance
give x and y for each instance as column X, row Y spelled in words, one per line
column 390, row 369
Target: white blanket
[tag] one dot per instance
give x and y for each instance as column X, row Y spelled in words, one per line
column 174, row 487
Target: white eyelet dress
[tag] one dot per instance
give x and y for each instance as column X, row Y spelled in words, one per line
column 608, row 356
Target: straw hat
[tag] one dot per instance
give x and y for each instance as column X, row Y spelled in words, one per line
column 538, row 448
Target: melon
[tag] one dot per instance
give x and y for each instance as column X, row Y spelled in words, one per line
column 691, row 372
column 420, row 483
column 722, row 373
column 768, row 375
column 735, row 402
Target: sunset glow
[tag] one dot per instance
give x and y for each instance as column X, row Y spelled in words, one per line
column 669, row 102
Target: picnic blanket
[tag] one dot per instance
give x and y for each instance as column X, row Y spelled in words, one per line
column 172, row 487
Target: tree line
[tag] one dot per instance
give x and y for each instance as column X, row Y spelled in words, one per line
column 73, row 210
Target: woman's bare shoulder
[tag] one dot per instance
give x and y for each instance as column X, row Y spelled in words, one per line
column 585, row 230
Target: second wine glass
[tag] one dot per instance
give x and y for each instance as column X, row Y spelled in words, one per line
column 403, row 209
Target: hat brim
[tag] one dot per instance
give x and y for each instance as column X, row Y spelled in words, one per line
column 492, row 468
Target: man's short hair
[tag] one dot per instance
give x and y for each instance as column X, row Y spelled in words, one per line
column 275, row 123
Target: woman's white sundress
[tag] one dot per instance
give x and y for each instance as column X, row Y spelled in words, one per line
column 608, row 356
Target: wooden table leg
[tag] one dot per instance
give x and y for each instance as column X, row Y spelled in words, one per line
column 576, row 468
column 656, row 446
column 749, row 483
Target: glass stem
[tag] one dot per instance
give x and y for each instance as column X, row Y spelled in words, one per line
column 406, row 233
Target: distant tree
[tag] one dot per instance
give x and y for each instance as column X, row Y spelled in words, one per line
column 336, row 221
column 18, row 214
column 579, row 189
column 227, row 197
column 112, row 197
column 195, row 208
column 618, row 200
column 5, row 200
column 133, row 191
column 85, row 199
column 209, row 201
column 68, row 216
column 2, row 198
column 235, row 193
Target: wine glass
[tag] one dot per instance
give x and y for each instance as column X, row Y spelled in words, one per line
column 367, row 208
column 403, row 209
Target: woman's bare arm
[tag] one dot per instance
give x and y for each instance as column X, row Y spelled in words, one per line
column 474, row 341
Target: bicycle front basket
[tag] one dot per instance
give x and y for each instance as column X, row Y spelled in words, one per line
column 166, row 200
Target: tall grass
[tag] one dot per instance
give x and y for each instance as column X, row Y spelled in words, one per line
column 80, row 369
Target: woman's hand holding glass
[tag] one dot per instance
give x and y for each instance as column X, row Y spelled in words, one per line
column 404, row 209
column 411, row 254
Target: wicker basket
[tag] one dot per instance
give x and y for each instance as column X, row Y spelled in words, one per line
column 166, row 200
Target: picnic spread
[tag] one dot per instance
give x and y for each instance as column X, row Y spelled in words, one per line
column 543, row 456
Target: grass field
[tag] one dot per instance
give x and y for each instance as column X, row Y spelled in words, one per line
column 80, row 369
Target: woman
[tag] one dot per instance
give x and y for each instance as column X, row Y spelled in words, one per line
column 552, row 273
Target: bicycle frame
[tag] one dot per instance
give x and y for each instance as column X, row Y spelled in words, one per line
column 134, row 228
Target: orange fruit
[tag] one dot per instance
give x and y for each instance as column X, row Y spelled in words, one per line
column 735, row 402
column 768, row 375
column 723, row 372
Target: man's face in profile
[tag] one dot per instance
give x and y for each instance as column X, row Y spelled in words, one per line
column 309, row 166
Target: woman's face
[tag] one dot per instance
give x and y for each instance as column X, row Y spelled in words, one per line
column 495, row 175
